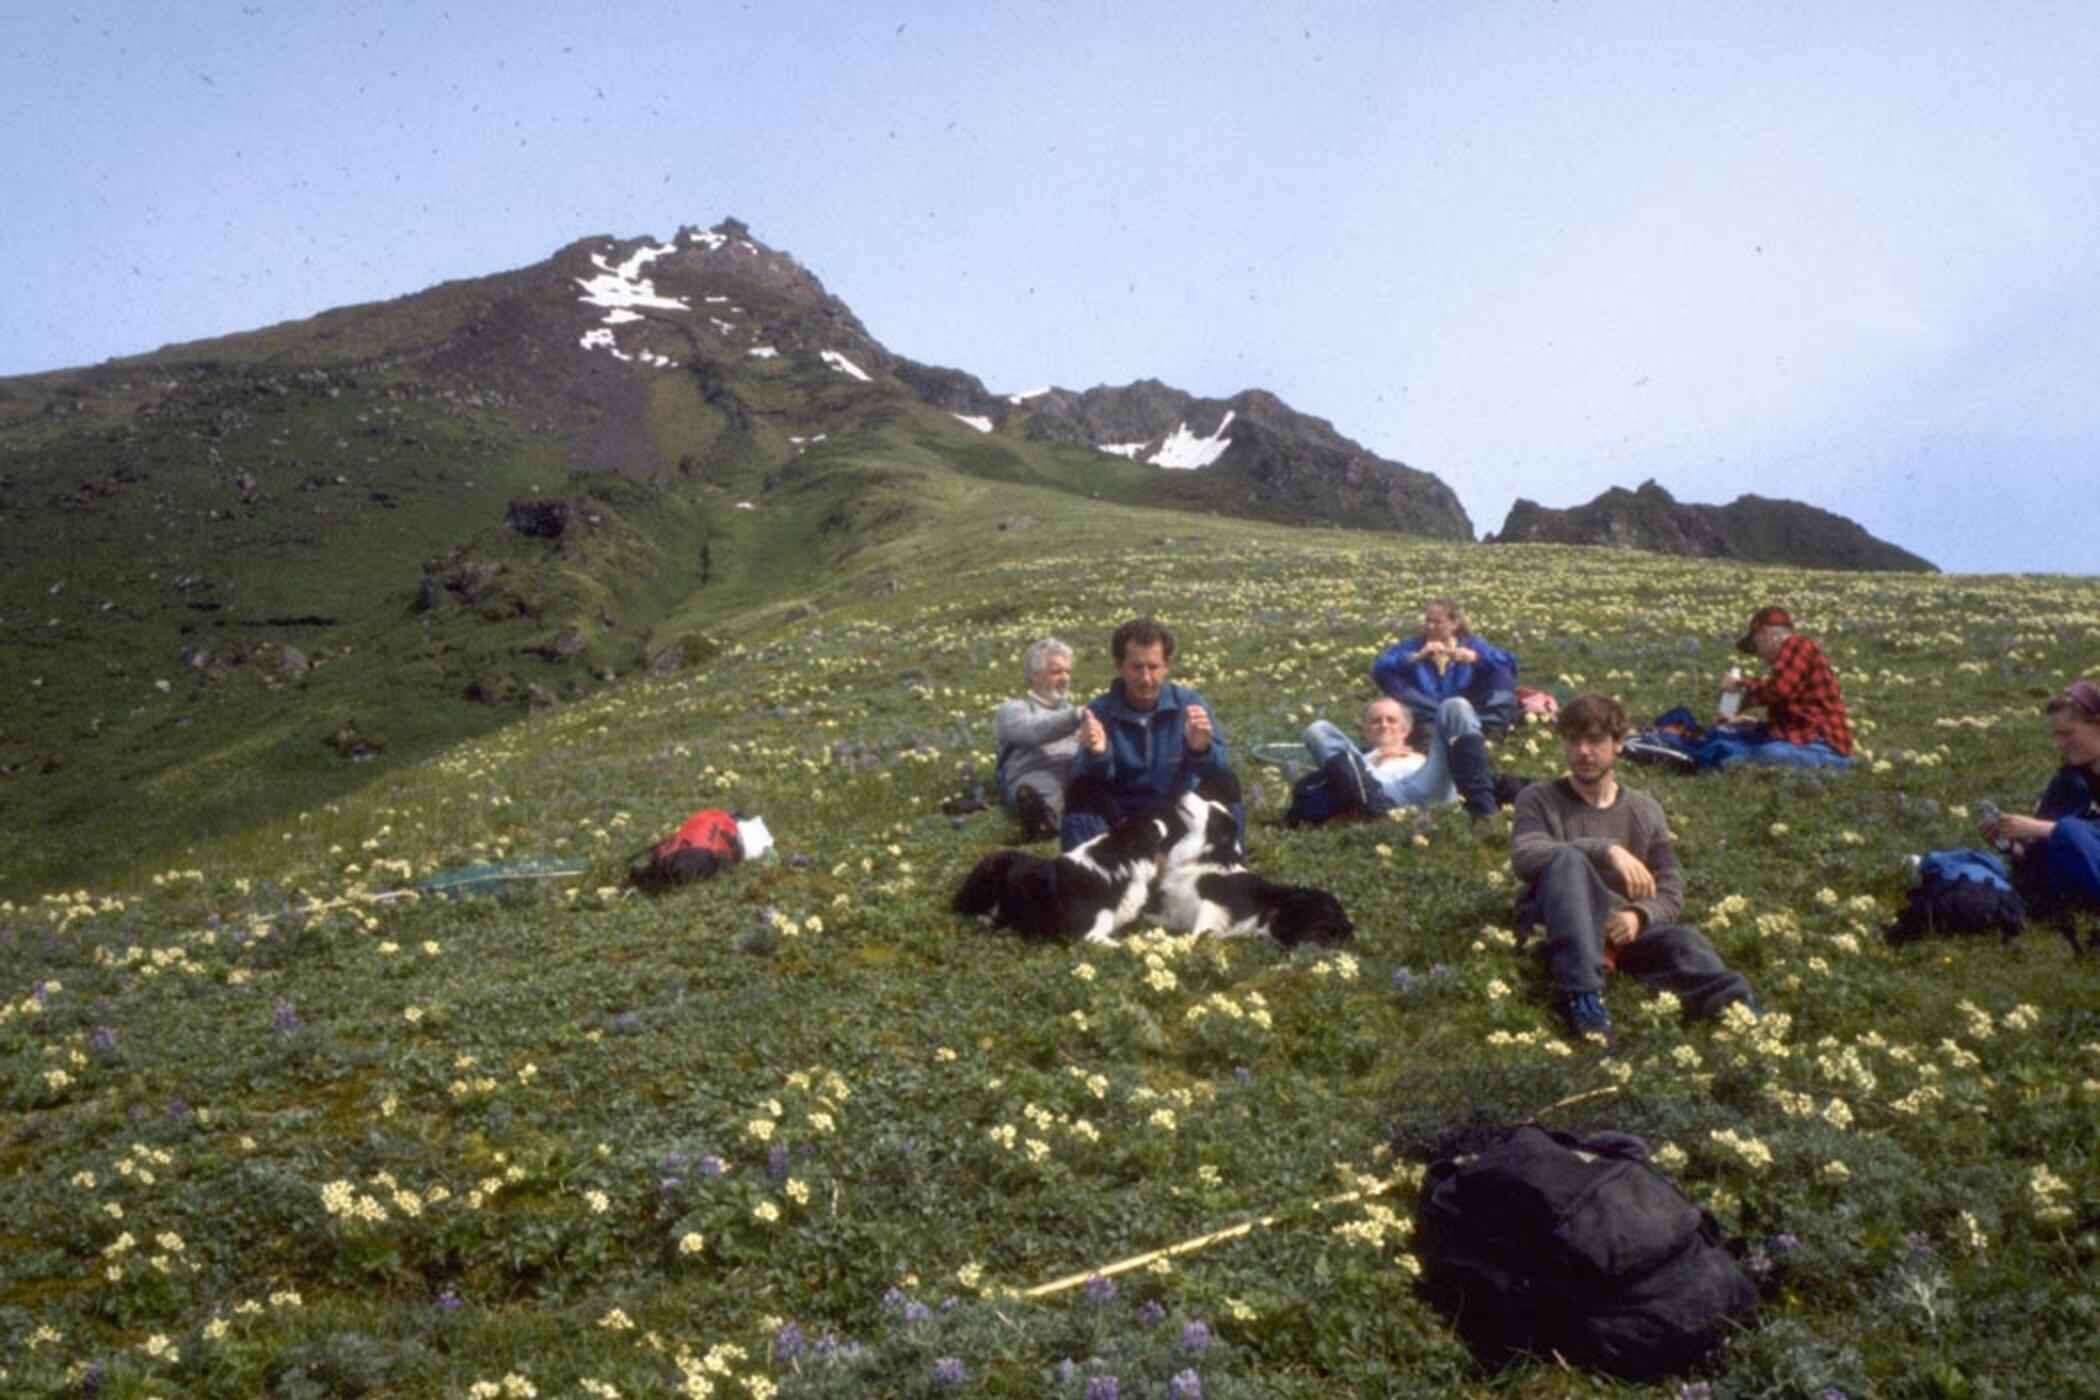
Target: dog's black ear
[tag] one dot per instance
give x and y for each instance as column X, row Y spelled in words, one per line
column 987, row 880
column 1032, row 904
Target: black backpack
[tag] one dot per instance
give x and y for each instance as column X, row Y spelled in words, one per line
column 1961, row 892
column 1539, row 1243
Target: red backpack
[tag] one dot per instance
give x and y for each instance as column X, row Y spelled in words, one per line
column 703, row 845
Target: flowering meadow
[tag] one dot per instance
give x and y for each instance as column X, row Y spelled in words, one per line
column 270, row 1123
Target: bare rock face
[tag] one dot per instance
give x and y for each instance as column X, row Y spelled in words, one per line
column 1755, row 529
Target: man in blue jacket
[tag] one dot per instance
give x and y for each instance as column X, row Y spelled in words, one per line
column 1144, row 743
column 1449, row 663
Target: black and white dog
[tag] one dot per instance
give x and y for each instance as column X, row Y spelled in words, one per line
column 1095, row 889
column 1203, row 887
column 1181, row 867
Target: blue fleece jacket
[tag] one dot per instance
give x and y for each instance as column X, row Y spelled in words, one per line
column 1148, row 754
column 1490, row 683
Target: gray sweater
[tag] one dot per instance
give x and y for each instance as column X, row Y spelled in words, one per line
column 1551, row 816
column 1035, row 738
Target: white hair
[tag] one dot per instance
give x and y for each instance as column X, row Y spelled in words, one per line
column 1038, row 656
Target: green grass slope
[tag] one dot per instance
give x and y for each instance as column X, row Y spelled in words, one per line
column 801, row 1131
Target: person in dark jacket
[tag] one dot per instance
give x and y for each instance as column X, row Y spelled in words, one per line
column 2057, row 850
column 1450, row 662
column 1144, row 743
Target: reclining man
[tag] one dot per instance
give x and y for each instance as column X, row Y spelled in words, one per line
column 1386, row 773
column 1600, row 873
column 1144, row 743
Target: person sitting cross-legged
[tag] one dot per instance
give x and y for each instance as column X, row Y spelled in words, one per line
column 1600, row 874
column 1805, row 722
column 1385, row 772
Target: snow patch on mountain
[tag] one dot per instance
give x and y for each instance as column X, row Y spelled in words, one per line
column 1184, row 451
column 845, row 366
column 761, row 352
column 1180, row 450
column 620, row 290
column 1026, row 394
column 977, row 421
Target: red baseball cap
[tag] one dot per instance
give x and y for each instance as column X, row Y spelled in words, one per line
column 1763, row 617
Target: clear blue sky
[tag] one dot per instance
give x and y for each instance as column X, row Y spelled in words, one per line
column 1841, row 253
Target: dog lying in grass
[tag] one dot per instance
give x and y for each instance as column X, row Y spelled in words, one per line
column 1205, row 888
column 1093, row 890
column 1180, row 867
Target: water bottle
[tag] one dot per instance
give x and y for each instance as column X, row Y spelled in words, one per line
column 1731, row 698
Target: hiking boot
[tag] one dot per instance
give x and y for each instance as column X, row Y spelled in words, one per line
column 1037, row 821
column 1473, row 776
column 1584, row 1015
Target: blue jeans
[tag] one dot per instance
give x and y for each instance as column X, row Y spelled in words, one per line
column 2072, row 856
column 1428, row 786
column 1755, row 744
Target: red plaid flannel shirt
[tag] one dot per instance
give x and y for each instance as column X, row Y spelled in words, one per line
column 1801, row 698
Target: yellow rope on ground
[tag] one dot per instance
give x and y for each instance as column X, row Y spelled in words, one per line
column 1248, row 1227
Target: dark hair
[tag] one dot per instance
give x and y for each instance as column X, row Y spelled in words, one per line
column 1142, row 631
column 2080, row 695
column 1591, row 717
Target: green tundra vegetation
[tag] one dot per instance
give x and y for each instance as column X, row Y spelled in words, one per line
column 266, row 1128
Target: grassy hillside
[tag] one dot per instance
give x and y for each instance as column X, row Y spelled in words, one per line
column 800, row 1129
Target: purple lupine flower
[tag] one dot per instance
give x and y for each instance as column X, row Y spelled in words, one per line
column 711, row 1166
column 1186, row 1385
column 1195, row 1337
column 1100, row 1290
column 448, row 1301
column 894, row 1299
column 1151, row 1314
column 1785, row 1243
column 777, row 1162
column 177, row 1110
column 103, row 1040
column 787, row 1342
column 1404, row 979
column 950, row 1303
column 1242, row 1076
column 284, row 1018
column 949, row 1371
column 1101, row 1388
column 91, row 1379
column 1919, row 1243
column 916, row 1312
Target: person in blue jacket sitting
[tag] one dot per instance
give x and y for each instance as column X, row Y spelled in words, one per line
column 1455, row 682
column 1144, row 743
column 2057, row 850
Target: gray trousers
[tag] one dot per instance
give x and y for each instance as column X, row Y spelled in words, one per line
column 1572, row 901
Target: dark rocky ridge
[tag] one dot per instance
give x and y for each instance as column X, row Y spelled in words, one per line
column 1756, row 529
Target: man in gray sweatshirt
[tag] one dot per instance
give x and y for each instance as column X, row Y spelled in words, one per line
column 1601, row 875
column 1038, row 739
